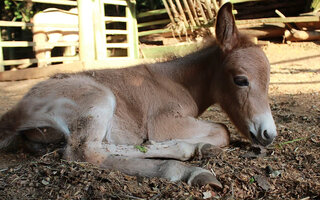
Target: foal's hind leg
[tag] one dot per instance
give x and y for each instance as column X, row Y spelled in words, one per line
column 91, row 128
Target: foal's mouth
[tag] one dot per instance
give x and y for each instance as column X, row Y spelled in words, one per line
column 256, row 141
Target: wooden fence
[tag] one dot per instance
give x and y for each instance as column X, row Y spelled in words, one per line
column 92, row 44
column 13, row 44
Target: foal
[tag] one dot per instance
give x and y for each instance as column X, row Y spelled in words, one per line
column 103, row 114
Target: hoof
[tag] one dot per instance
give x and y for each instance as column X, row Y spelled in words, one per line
column 205, row 178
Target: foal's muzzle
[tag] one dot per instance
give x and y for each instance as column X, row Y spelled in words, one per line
column 263, row 129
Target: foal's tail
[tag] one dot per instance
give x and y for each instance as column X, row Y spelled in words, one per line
column 41, row 113
column 9, row 124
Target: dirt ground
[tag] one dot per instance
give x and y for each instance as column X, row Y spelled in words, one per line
column 290, row 169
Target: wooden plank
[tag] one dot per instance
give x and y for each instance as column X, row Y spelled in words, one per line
column 243, row 1
column 115, row 2
column 33, row 73
column 34, row 60
column 115, row 19
column 15, row 24
column 152, row 13
column 100, row 26
column 133, row 50
column 156, row 31
column 42, row 44
column 163, row 21
column 59, row 2
column 1, row 55
column 250, row 21
column 116, row 32
column 86, row 30
column 279, row 20
column 24, row 24
column 297, row 35
column 117, row 45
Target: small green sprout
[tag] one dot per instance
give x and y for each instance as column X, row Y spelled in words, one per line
column 141, row 148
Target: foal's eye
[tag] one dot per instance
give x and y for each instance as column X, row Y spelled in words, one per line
column 241, row 81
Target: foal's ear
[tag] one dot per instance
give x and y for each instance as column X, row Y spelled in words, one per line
column 226, row 30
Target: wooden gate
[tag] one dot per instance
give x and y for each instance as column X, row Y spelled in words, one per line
column 97, row 36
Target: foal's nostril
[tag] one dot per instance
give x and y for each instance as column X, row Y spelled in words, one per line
column 265, row 134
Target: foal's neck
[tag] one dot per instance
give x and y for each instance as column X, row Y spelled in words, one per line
column 195, row 72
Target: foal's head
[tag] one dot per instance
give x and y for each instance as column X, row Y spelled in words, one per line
column 242, row 81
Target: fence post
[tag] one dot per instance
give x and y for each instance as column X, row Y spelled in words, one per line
column 1, row 55
column 86, row 30
column 132, row 30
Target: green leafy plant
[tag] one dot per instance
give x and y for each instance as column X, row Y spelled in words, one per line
column 251, row 180
column 21, row 10
column 141, row 148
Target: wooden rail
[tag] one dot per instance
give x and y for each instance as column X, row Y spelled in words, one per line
column 115, row 2
column 116, row 32
column 163, row 21
column 34, row 60
column 25, row 24
column 152, row 13
column 280, row 20
column 151, row 23
column 58, row 2
column 40, row 45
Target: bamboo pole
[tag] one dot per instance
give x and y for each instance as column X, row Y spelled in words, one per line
column 283, row 17
column 194, row 12
column 215, row 6
column 208, row 5
column 173, row 8
column 182, row 13
column 169, row 11
column 202, row 12
column 186, row 5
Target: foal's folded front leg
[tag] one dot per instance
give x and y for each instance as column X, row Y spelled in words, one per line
column 188, row 129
